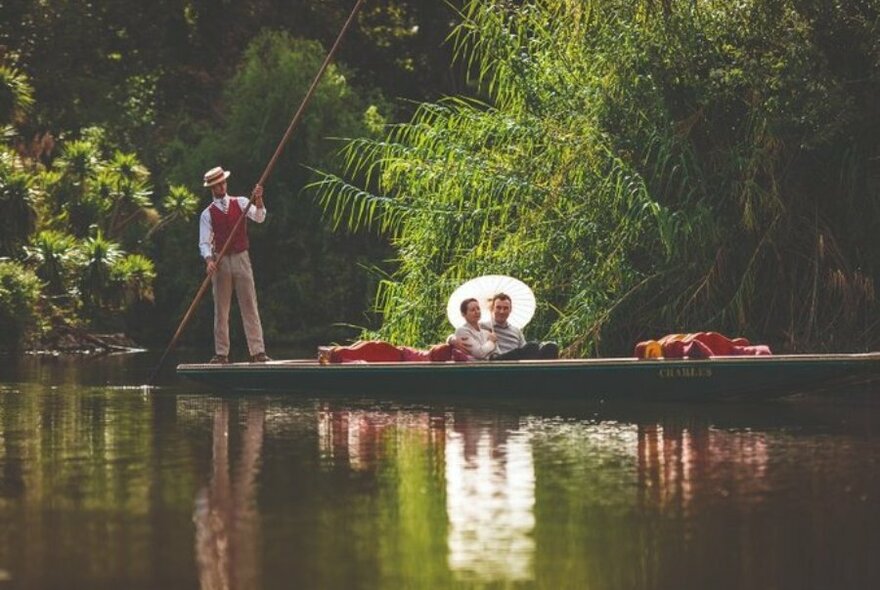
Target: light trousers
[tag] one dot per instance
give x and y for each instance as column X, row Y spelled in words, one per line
column 234, row 273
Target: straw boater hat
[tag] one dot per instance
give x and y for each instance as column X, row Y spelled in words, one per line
column 215, row 175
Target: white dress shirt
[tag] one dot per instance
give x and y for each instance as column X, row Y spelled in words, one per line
column 206, row 231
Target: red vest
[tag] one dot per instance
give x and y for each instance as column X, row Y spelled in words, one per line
column 222, row 224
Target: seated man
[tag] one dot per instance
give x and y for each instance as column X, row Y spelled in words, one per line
column 511, row 345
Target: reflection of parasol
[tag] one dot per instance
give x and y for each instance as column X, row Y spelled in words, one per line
column 522, row 300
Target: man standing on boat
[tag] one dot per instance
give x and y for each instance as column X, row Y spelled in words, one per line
column 234, row 271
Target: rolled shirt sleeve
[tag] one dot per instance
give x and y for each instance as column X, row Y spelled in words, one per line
column 206, row 235
column 258, row 215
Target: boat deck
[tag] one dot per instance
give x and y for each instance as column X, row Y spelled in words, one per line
column 609, row 377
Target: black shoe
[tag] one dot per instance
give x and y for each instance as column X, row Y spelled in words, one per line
column 260, row 357
column 219, row 359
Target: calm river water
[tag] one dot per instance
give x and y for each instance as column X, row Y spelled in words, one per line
column 105, row 484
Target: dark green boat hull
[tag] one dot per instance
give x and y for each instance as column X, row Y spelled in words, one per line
column 621, row 378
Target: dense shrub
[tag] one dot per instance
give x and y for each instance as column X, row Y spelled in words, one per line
column 648, row 167
column 19, row 294
column 70, row 207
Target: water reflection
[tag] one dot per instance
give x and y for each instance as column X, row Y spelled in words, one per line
column 490, row 500
column 226, row 518
column 679, row 465
column 488, row 478
column 352, row 437
column 112, row 488
column 655, row 492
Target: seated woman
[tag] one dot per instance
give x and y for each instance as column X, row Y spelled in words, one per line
column 479, row 343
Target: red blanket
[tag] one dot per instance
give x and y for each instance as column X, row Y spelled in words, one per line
column 376, row 351
column 699, row 345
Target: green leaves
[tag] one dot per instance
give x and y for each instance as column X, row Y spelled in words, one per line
column 643, row 166
column 18, row 204
column 53, row 256
column 522, row 187
column 111, row 193
column 133, row 277
column 19, row 295
column 16, row 95
column 99, row 256
column 95, row 270
column 68, row 221
column 180, row 203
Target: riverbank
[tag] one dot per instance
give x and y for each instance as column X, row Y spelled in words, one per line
column 66, row 339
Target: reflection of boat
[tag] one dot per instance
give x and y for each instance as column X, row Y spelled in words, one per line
column 718, row 377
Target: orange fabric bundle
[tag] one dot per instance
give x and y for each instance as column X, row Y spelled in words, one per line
column 698, row 345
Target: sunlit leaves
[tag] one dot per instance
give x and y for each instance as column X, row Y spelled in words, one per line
column 99, row 256
column 111, row 193
column 641, row 164
column 70, row 210
column 19, row 295
column 180, row 202
column 16, row 95
column 524, row 186
column 18, row 211
column 133, row 276
column 79, row 159
column 53, row 256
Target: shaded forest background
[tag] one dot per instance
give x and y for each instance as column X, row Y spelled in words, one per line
column 647, row 166
column 178, row 87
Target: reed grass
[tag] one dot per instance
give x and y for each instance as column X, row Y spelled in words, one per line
column 648, row 167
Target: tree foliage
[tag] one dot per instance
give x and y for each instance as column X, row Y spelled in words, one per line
column 308, row 279
column 19, row 294
column 70, row 222
column 16, row 95
column 51, row 254
column 133, row 66
column 648, row 167
column 149, row 78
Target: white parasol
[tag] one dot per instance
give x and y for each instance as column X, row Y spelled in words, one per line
column 522, row 300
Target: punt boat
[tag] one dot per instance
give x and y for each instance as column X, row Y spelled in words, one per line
column 610, row 379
